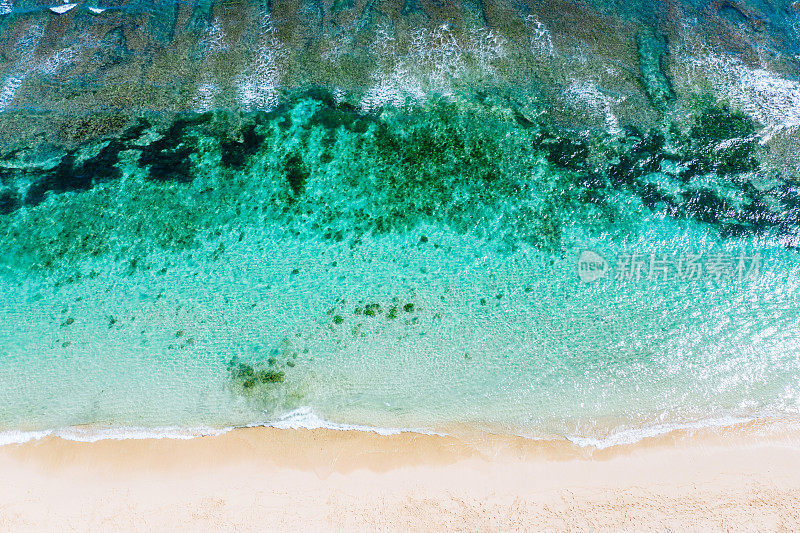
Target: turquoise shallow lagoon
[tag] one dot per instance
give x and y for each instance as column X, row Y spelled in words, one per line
column 463, row 259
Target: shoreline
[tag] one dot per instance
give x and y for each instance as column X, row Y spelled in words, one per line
column 620, row 435
column 270, row 479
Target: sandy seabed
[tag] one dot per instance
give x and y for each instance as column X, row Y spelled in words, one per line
column 262, row 479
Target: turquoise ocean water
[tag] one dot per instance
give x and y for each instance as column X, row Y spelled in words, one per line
column 447, row 260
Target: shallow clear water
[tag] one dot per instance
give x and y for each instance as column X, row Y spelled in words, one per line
column 419, row 266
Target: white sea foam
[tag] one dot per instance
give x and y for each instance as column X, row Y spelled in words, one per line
column 771, row 99
column 588, row 93
column 82, row 434
column 766, row 95
column 633, row 435
column 24, row 50
column 136, row 433
column 9, row 90
column 435, row 61
column 62, row 8
column 541, row 41
column 204, row 99
column 19, row 437
column 52, row 63
column 305, row 418
column 258, row 84
column 301, row 418
column 214, row 39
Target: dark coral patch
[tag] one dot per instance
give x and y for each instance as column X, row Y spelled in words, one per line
column 71, row 175
column 296, row 174
column 723, row 141
column 704, row 205
column 644, row 157
column 565, row 152
column 9, row 201
column 235, row 153
column 332, row 117
column 168, row 158
column 102, row 167
column 62, row 178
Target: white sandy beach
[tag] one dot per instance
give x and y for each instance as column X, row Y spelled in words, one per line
column 310, row 480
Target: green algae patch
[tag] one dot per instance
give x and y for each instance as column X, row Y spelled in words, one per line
column 250, row 377
column 369, row 312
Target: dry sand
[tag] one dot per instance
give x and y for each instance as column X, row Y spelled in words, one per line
column 312, row 480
